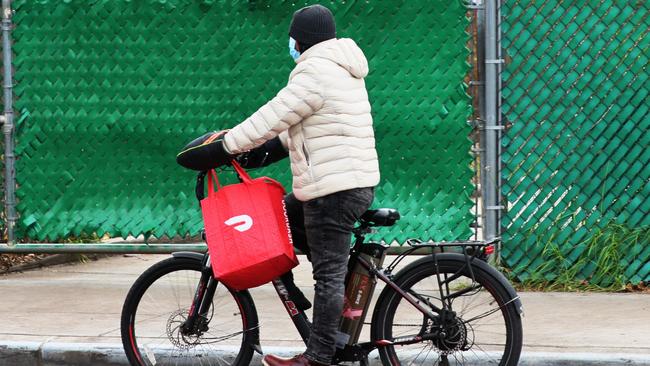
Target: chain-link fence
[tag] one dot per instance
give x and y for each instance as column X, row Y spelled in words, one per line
column 101, row 83
column 108, row 91
column 577, row 159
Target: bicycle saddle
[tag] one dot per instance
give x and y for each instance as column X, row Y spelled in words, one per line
column 380, row 217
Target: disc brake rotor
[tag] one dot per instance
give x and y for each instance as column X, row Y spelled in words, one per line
column 176, row 337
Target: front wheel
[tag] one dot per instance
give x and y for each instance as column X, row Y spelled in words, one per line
column 157, row 306
column 480, row 324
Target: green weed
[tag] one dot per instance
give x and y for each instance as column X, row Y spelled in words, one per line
column 596, row 264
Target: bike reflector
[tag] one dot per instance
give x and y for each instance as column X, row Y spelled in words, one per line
column 489, row 249
column 247, row 230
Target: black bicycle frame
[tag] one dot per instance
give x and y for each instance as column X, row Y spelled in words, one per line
column 358, row 352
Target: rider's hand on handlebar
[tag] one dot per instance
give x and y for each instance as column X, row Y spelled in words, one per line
column 270, row 152
column 204, row 153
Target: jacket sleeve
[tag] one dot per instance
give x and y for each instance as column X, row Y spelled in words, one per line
column 284, row 139
column 295, row 102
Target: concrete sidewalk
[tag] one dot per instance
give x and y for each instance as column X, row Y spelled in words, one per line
column 73, row 311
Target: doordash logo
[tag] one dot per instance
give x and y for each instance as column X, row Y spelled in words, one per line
column 240, row 223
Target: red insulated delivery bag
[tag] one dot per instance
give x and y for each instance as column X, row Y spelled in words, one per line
column 247, row 230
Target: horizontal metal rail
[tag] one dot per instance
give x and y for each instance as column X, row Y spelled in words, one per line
column 115, row 248
column 125, row 248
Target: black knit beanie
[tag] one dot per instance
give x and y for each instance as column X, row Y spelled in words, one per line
column 312, row 24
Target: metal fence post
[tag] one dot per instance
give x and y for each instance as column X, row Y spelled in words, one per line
column 500, row 131
column 8, row 123
column 480, row 66
column 492, row 128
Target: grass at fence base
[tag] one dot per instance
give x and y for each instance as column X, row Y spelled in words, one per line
column 601, row 265
column 83, row 238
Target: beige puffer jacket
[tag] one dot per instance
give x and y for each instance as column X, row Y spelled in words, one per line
column 323, row 119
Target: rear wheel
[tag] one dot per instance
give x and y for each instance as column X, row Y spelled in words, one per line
column 482, row 325
column 157, row 305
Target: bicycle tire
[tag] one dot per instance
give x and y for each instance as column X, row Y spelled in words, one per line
column 181, row 351
column 461, row 347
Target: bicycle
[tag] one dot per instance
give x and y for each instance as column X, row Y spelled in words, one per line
column 444, row 308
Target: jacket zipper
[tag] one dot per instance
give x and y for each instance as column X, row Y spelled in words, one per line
column 306, row 153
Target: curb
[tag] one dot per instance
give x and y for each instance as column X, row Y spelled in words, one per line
column 106, row 354
column 583, row 359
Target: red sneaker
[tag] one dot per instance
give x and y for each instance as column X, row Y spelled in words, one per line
column 300, row 360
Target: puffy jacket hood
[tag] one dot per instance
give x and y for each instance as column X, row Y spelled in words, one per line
column 344, row 52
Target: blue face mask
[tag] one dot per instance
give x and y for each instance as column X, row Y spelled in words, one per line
column 292, row 49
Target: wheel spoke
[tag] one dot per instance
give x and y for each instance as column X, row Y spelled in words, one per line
column 492, row 311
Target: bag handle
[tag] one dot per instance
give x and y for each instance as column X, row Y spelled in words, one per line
column 242, row 173
column 212, row 175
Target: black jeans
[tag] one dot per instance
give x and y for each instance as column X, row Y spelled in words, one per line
column 321, row 228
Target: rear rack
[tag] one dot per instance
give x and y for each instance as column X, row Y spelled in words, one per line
column 472, row 249
column 417, row 243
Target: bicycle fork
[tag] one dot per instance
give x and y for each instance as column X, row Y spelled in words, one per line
column 197, row 317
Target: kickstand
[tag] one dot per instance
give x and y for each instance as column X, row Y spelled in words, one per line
column 364, row 361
